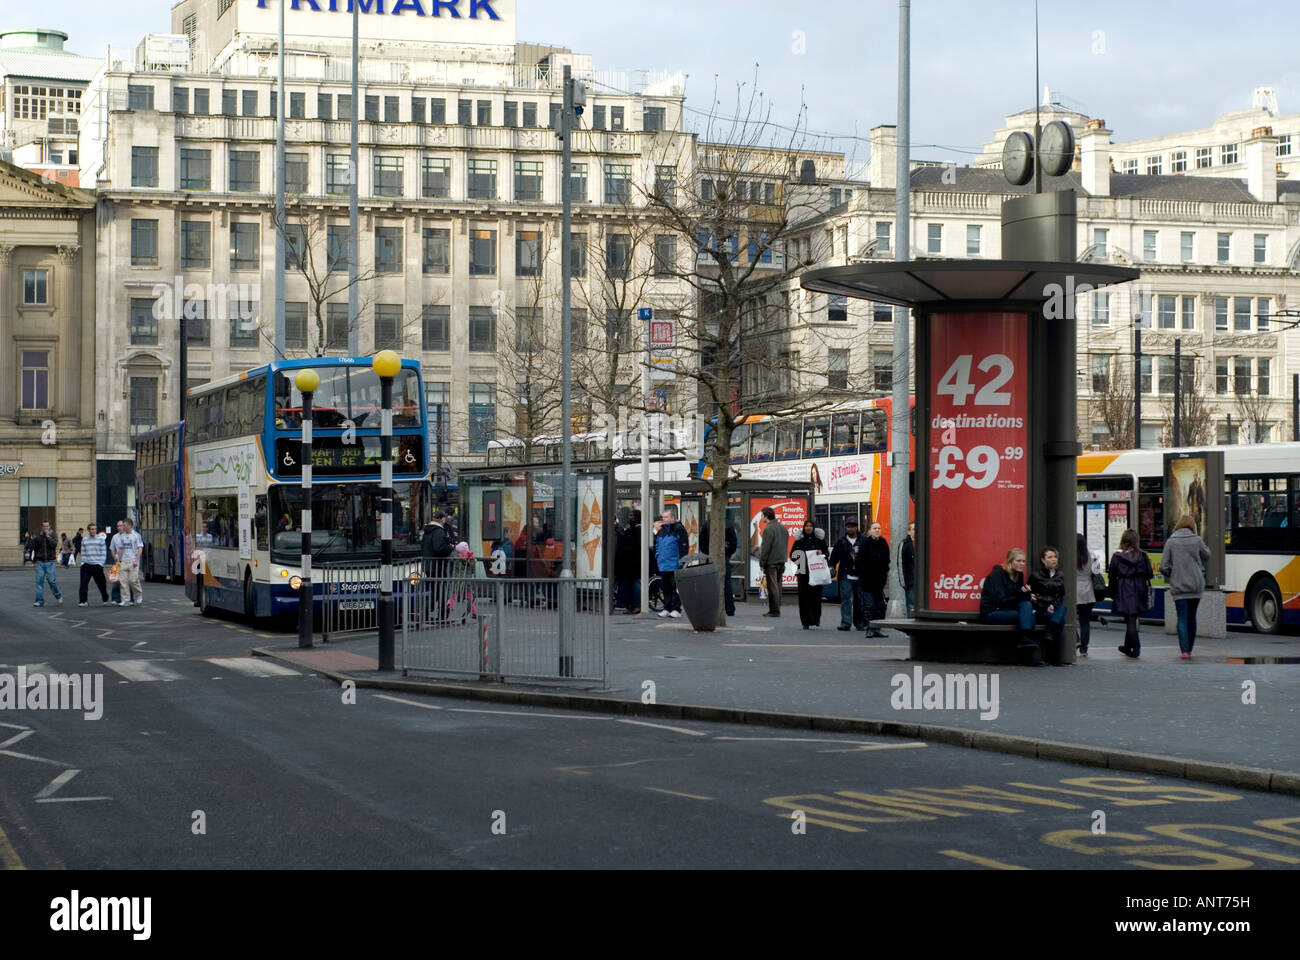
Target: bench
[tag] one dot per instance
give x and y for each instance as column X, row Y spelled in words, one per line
column 963, row 641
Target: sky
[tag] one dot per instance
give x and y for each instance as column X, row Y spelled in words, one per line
column 1147, row 67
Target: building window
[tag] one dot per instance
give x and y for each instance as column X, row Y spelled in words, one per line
column 1261, row 313
column 837, row 308
column 144, row 324
column 196, row 169
column 882, row 236
column 1203, row 158
column 435, row 320
column 388, row 176
column 1099, row 237
column 1263, row 385
column 1155, row 166
column 484, row 113
column 1148, row 245
column 180, row 99
column 1284, row 145
column 297, row 106
column 483, row 253
column 618, row 329
column 616, row 118
column 482, row 416
column 578, row 327
column 483, row 179
column 388, row 326
column 144, row 166
column 295, row 326
column 139, row 97
column 1221, row 375
column 1220, row 313
column 482, row 329
column 530, row 114
column 198, row 329
column 1167, row 307
column 1128, row 166
column 1189, row 313
column 437, row 110
column 243, row 246
column 882, row 368
column 654, row 118
column 243, row 323
column 880, row 313
column 528, row 253
column 1144, row 311
column 1241, row 375
column 36, row 379
column 618, row 256
column 1145, row 374
column 578, row 192
column 371, row 108
column 1225, row 247
column 973, row 239
column 837, row 369
column 201, row 101
column 144, row 243
column 528, row 329
column 338, row 174
column 1178, row 161
column 464, row 112
column 35, row 287
column 144, row 403
column 666, row 183
column 597, row 117
column 578, row 255
column 437, row 250
column 1228, row 153
column 229, row 103
column 1241, row 313
column 437, row 401
column 338, row 247
column 388, row 249
column 337, row 326
column 295, row 173
column 934, row 238
column 1185, row 246
column 245, row 173
column 196, row 244
column 435, row 179
column 1100, row 309
column 1166, row 372
column 618, row 182
column 248, row 104
column 665, row 255
column 528, row 180
column 324, row 106
column 391, row 114
column 1100, row 373
column 418, row 109
column 510, row 113
column 1261, row 248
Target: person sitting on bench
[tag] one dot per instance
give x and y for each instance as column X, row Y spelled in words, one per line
column 1007, row 598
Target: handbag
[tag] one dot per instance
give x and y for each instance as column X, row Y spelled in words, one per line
column 115, row 573
column 1099, row 586
column 819, row 571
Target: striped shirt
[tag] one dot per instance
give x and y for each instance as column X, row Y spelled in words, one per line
column 94, row 549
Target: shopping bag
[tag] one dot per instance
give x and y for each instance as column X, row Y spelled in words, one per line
column 819, row 571
column 115, row 573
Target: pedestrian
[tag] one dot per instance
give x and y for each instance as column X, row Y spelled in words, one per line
column 672, row 542
column 436, row 546
column 849, row 562
column 773, row 549
column 28, row 543
column 1130, row 580
column 627, row 564
column 65, row 550
column 810, row 594
column 76, row 545
column 1047, row 584
column 115, row 595
column 450, row 522
column 874, row 578
column 1183, row 566
column 1086, row 566
column 127, row 548
column 45, row 553
column 1005, row 597
column 908, row 559
column 94, row 551
column 730, row 544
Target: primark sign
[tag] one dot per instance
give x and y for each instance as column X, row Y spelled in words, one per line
column 436, row 8
column 433, row 21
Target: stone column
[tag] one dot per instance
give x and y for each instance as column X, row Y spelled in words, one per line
column 70, row 364
column 8, row 313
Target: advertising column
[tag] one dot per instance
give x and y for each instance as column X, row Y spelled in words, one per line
column 979, row 447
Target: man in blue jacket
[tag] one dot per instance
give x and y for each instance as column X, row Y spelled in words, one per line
column 672, row 542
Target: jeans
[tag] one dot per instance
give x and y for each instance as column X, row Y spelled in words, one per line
column 852, row 608
column 627, row 594
column 671, row 600
column 729, row 599
column 45, row 571
column 1187, row 622
column 911, row 600
column 1022, row 616
column 1055, row 623
column 1085, row 625
column 873, row 605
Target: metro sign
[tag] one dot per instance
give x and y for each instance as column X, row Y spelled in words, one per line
column 414, row 7
column 661, row 333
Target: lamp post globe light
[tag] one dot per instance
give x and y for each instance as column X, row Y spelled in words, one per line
column 306, row 381
column 386, row 364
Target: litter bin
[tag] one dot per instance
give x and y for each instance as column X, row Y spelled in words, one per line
column 697, row 586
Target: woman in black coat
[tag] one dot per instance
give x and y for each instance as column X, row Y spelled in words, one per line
column 1006, row 598
column 810, row 595
column 1047, row 584
column 627, row 565
column 1130, row 577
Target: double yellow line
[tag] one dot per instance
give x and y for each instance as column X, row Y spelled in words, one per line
column 9, row 858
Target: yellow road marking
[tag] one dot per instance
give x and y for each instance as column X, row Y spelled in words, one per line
column 982, row 861
column 830, row 823
column 676, row 793
column 266, row 636
column 8, row 856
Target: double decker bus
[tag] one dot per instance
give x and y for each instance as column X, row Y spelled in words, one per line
column 242, row 469
column 159, row 502
column 1261, row 496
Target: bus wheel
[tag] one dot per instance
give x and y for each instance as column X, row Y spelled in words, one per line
column 248, row 594
column 1265, row 606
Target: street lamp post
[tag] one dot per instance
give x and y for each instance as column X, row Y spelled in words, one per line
column 1137, row 382
column 386, row 364
column 306, row 381
column 1178, row 391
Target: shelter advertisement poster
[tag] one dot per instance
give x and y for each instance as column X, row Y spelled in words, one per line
column 791, row 512
column 591, row 546
column 979, row 445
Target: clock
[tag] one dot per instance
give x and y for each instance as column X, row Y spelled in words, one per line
column 1056, row 148
column 1018, row 158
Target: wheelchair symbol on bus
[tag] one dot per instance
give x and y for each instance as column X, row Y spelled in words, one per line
column 288, row 460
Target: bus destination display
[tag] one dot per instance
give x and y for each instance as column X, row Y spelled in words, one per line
column 330, row 456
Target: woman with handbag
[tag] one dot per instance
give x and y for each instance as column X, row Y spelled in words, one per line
column 810, row 594
column 1130, row 585
column 1091, row 587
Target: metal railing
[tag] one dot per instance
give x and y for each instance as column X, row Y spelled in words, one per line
column 499, row 627
column 350, row 595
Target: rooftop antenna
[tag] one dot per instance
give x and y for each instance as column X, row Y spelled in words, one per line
column 1038, row 130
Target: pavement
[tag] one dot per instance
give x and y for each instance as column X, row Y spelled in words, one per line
column 1230, row 715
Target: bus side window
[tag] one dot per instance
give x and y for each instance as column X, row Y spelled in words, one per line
column 259, row 522
column 875, row 431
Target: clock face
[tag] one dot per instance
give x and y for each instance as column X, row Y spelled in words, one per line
column 1018, row 158
column 1056, row 152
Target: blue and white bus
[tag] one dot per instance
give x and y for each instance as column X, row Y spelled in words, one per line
column 242, row 469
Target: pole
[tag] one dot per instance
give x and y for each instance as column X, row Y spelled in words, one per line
column 1295, row 406
column 565, row 515
column 1178, row 392
column 1137, row 382
column 386, row 365
column 281, row 226
column 354, row 217
column 307, row 382
column 1038, row 129
column 899, row 503
column 185, row 362
column 645, row 475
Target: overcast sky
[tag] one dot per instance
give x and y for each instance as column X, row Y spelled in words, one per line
column 1148, row 67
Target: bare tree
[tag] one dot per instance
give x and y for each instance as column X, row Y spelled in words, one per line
column 1253, row 410
column 1196, row 423
column 1113, row 406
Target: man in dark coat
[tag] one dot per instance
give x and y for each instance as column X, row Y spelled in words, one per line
column 849, row 562
column 875, row 576
column 908, row 558
column 435, row 547
column 732, row 543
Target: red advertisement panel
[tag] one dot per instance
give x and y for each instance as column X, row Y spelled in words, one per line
column 979, row 448
column 791, row 512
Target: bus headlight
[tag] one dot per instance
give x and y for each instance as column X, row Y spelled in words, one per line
column 283, row 574
column 295, row 582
